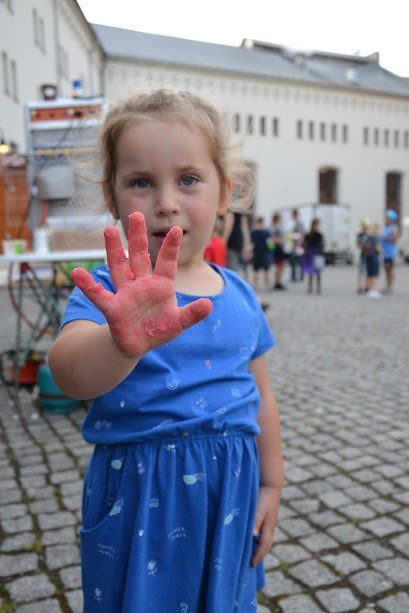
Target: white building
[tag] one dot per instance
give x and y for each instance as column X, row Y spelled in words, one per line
column 319, row 127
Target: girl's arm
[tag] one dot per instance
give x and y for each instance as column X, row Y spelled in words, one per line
column 271, row 462
column 87, row 360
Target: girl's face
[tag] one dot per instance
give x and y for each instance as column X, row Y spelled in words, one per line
column 164, row 170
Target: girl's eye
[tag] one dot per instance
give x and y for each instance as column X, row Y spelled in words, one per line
column 140, row 182
column 188, row 180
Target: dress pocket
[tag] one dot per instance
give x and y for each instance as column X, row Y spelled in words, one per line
column 104, row 488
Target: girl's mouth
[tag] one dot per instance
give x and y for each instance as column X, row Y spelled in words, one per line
column 161, row 234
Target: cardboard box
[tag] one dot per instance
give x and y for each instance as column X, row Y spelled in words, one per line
column 73, row 240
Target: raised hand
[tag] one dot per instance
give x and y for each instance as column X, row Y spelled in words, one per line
column 143, row 313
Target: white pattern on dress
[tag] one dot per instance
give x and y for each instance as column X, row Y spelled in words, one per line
column 152, row 568
column 192, row 479
column 216, row 325
column 102, row 424
column 229, row 518
column 173, row 384
column 117, row 508
column 98, row 594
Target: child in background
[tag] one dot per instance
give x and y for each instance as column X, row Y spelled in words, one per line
column 372, row 250
column 360, row 243
column 216, row 248
column 313, row 258
column 277, row 238
column 182, row 492
column 261, row 253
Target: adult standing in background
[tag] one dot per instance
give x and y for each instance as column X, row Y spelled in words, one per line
column 296, row 238
column 236, row 234
column 390, row 238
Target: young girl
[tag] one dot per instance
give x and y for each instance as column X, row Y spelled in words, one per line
column 182, row 492
column 372, row 251
column 313, row 258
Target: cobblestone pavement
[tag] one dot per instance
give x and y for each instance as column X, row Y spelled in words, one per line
column 340, row 372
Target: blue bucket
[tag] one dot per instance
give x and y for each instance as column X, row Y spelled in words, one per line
column 51, row 398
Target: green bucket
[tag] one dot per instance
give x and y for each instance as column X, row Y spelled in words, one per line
column 51, row 398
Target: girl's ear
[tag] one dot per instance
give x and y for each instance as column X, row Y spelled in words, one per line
column 225, row 197
column 110, row 202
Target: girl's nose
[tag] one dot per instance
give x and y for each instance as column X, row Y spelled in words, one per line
column 167, row 202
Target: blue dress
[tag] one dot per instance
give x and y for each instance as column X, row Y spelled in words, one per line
column 171, row 489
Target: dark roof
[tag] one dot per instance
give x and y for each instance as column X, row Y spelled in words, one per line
column 253, row 58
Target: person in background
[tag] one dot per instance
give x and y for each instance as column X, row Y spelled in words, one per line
column 313, row 258
column 277, row 238
column 296, row 239
column 360, row 243
column 372, row 250
column 236, row 235
column 261, row 253
column 182, row 493
column 390, row 238
column 216, row 248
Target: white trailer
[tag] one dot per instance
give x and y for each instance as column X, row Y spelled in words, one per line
column 335, row 225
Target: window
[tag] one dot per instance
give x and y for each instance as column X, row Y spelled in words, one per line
column 41, row 35
column 323, row 131
column 9, row 4
column 262, row 126
column 299, row 128
column 63, row 68
column 311, row 130
column 236, row 123
column 344, row 133
column 376, row 137
column 5, row 69
column 396, row 138
column 38, row 31
column 250, row 124
column 386, row 137
column 14, row 85
column 334, row 132
column 275, row 126
column 406, row 139
column 366, row 136
column 35, row 27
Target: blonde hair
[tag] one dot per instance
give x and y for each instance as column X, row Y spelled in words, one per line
column 195, row 113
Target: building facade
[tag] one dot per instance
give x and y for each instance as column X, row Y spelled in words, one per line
column 318, row 127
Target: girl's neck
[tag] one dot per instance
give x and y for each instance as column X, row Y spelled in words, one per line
column 199, row 280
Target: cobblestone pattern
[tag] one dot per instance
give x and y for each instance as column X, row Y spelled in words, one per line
column 340, row 372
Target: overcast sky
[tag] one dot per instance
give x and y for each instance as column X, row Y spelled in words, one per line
column 339, row 26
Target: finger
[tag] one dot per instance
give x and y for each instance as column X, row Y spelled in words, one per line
column 116, row 257
column 167, row 260
column 93, row 290
column 265, row 542
column 192, row 313
column 139, row 258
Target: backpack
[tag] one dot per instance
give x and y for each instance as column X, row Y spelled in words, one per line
column 368, row 248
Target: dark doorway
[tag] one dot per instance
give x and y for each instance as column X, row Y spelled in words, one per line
column 327, row 185
column 393, row 191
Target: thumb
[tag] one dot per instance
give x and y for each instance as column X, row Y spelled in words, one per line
column 258, row 521
column 195, row 312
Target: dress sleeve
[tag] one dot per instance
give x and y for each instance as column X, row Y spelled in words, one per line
column 80, row 307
